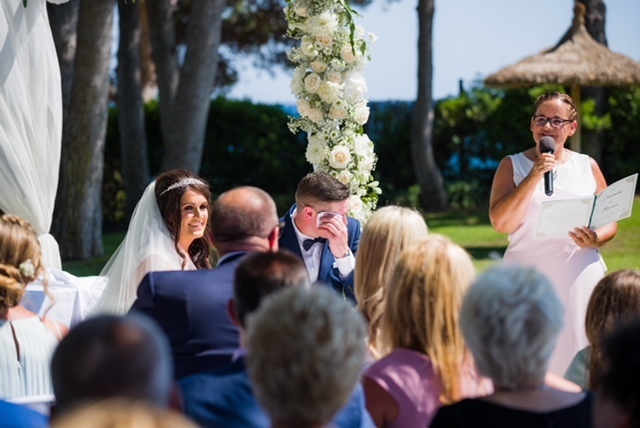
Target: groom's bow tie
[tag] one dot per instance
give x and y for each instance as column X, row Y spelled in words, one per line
column 308, row 243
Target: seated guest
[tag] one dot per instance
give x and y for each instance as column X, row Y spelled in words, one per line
column 27, row 341
column 15, row 416
column 511, row 318
column 615, row 299
column 107, row 357
column 191, row 306
column 388, row 231
column 427, row 364
column 318, row 230
column 224, row 396
column 120, row 413
column 619, row 393
column 306, row 350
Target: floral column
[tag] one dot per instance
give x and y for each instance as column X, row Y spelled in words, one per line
column 329, row 90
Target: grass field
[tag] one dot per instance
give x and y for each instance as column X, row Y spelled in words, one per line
column 472, row 230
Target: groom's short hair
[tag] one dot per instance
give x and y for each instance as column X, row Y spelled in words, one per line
column 320, row 187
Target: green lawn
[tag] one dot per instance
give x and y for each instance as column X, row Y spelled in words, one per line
column 474, row 232
column 471, row 230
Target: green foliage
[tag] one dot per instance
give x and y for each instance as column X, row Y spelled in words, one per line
column 589, row 118
column 249, row 144
column 620, row 156
column 245, row 144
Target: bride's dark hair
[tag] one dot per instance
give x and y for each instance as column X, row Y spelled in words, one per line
column 170, row 186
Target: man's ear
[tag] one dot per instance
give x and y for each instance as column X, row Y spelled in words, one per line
column 308, row 213
column 233, row 314
column 274, row 238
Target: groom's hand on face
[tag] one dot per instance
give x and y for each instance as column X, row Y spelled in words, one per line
column 335, row 230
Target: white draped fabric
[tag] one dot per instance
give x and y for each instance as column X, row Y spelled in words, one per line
column 30, row 118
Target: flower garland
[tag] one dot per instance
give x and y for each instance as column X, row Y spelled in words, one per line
column 329, row 90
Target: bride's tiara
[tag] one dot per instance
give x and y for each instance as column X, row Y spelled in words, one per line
column 183, row 183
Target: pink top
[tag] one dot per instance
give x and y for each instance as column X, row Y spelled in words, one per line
column 409, row 377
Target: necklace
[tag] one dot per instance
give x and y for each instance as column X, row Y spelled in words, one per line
column 555, row 170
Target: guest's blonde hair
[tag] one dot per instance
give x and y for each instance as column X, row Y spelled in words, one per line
column 422, row 309
column 388, row 231
column 614, row 301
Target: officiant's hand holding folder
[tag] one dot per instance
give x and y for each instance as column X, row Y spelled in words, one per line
column 614, row 203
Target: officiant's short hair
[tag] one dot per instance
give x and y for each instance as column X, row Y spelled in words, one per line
column 319, row 187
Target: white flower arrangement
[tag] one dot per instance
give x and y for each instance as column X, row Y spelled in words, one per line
column 27, row 269
column 329, row 88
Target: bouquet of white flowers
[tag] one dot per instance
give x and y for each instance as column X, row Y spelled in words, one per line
column 329, row 90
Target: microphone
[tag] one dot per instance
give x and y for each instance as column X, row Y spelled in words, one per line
column 548, row 145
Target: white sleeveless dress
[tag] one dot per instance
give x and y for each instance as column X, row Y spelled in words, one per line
column 574, row 271
column 27, row 374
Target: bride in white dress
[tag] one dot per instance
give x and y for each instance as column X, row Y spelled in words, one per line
column 168, row 231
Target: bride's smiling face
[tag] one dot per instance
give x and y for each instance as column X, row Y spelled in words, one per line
column 194, row 209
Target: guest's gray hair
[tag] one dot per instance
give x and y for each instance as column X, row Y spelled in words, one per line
column 511, row 318
column 306, row 352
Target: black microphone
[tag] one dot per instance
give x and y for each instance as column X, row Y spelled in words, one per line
column 548, row 145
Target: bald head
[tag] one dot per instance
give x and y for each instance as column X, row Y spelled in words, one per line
column 243, row 215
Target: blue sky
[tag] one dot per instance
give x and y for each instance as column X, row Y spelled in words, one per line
column 472, row 39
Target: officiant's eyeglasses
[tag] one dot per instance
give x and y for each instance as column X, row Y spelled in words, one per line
column 556, row 122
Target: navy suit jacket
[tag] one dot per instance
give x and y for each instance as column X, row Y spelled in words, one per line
column 191, row 309
column 327, row 274
column 223, row 397
column 18, row 416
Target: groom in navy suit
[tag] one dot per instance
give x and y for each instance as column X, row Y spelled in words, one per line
column 318, row 230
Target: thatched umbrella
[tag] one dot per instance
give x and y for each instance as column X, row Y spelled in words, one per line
column 577, row 60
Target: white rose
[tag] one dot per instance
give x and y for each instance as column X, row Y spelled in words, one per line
column 345, row 176
column 338, row 112
column 312, row 83
column 315, row 151
column 303, row 107
column 339, row 157
column 296, row 81
column 366, row 163
column 329, row 92
column 315, row 115
column 362, row 113
column 308, row 47
column 323, row 41
column 319, row 66
column 334, row 76
column 355, row 203
column 354, row 87
column 301, row 10
column 348, row 55
column 362, row 145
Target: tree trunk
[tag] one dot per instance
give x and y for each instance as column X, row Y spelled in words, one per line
column 185, row 91
column 595, row 23
column 63, row 20
column 428, row 174
column 133, row 137
column 79, row 211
